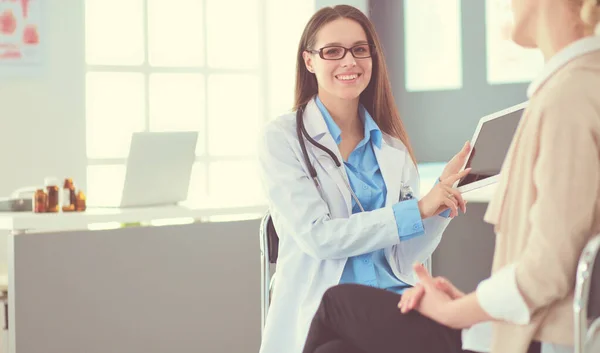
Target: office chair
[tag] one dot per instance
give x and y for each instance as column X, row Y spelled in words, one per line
column 586, row 304
column 269, row 250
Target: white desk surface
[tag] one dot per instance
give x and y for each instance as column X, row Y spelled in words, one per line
column 81, row 220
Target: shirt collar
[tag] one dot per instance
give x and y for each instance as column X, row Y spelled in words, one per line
column 372, row 131
column 576, row 49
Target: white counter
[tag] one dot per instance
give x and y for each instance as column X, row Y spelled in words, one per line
column 18, row 222
column 21, row 223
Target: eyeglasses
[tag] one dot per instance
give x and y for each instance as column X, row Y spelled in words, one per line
column 334, row 52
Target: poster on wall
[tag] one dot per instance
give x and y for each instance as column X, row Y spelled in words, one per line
column 20, row 42
column 507, row 62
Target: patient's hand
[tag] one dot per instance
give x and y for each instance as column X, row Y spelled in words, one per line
column 447, row 305
column 411, row 298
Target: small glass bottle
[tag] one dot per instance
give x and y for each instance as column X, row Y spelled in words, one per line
column 53, row 195
column 69, row 199
column 40, row 200
column 80, row 202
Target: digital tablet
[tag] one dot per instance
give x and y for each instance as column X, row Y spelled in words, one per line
column 490, row 143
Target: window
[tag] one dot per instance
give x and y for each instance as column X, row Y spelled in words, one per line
column 222, row 68
column 432, row 47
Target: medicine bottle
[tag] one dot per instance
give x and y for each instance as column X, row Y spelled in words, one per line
column 69, row 198
column 53, row 195
column 80, row 204
column 40, row 200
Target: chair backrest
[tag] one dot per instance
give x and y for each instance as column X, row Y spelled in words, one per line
column 593, row 333
column 586, row 303
column 269, row 240
column 593, row 313
column 269, row 249
column 594, row 297
column 272, row 241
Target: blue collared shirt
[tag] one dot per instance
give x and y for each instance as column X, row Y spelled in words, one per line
column 366, row 181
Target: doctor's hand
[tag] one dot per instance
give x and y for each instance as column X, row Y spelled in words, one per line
column 457, row 162
column 442, row 197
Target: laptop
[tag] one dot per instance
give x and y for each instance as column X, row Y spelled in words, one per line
column 490, row 144
column 158, row 172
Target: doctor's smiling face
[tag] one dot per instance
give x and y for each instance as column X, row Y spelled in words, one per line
column 341, row 59
column 340, row 56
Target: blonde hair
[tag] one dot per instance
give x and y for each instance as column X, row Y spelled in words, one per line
column 590, row 14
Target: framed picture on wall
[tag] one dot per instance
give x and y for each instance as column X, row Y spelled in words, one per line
column 20, row 35
column 507, row 62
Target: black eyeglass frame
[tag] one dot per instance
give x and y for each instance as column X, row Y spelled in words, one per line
column 372, row 51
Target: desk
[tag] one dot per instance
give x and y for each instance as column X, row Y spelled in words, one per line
column 95, row 291
column 22, row 222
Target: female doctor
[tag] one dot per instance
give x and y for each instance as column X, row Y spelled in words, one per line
column 341, row 179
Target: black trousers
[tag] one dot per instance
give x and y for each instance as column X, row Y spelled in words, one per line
column 359, row 319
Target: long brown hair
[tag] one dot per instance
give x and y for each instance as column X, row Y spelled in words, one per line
column 377, row 98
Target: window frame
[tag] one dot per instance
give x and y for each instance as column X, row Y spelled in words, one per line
column 261, row 72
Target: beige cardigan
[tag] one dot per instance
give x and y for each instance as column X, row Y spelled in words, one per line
column 547, row 204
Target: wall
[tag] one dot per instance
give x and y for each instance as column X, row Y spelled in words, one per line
column 467, row 248
column 42, row 125
column 439, row 122
column 42, row 117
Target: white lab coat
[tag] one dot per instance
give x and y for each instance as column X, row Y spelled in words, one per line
column 318, row 233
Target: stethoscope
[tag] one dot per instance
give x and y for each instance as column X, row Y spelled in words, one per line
column 405, row 190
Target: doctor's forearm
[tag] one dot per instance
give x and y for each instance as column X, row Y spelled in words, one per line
column 408, row 219
column 327, row 238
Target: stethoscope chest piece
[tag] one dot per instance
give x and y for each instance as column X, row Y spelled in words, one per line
column 406, row 192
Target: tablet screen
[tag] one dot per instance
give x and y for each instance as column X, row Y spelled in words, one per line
column 491, row 146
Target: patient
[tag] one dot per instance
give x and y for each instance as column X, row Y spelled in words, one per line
column 546, row 208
